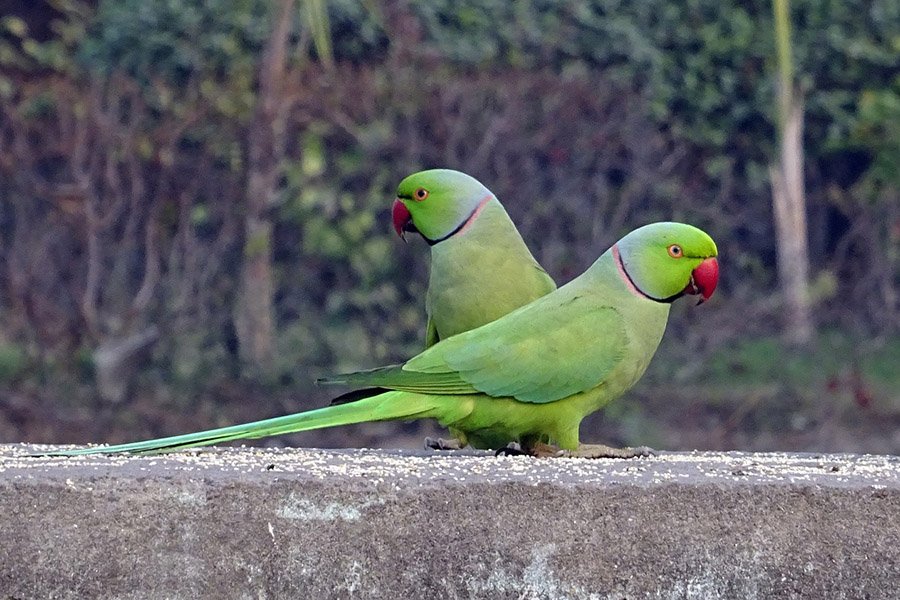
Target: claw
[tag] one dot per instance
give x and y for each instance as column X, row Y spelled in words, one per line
column 442, row 444
column 511, row 449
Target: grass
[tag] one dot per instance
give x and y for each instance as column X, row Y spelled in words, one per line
column 839, row 394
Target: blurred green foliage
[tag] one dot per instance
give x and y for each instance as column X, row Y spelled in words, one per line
column 757, row 394
column 181, row 53
column 586, row 118
column 13, row 363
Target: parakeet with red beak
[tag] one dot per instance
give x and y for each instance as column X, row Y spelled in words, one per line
column 481, row 268
column 531, row 376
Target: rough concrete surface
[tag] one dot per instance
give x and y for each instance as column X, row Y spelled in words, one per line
column 295, row 523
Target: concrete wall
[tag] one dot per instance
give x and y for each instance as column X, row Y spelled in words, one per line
column 251, row 523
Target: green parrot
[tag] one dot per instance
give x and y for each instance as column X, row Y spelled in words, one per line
column 481, row 268
column 530, row 376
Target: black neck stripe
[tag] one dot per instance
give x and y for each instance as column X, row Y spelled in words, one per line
column 432, row 242
column 465, row 222
column 621, row 265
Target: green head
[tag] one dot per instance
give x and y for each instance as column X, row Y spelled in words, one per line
column 437, row 203
column 664, row 261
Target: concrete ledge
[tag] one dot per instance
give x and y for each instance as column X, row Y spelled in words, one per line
column 263, row 523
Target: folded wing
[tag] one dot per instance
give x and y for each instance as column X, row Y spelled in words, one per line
column 534, row 355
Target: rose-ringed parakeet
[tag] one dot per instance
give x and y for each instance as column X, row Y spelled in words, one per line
column 481, row 268
column 532, row 375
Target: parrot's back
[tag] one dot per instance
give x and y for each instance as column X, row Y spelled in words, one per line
column 480, row 275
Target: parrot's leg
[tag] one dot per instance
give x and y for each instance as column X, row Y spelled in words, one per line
column 442, row 444
column 591, row 451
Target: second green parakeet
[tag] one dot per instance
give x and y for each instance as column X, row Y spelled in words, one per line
column 481, row 268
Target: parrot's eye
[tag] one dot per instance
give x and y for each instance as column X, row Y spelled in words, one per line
column 675, row 251
column 420, row 194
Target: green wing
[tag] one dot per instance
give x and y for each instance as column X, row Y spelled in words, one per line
column 533, row 355
column 397, row 377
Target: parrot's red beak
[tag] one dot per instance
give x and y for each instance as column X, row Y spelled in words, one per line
column 402, row 219
column 704, row 279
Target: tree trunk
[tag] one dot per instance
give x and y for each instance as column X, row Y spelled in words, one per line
column 254, row 317
column 789, row 203
column 788, row 193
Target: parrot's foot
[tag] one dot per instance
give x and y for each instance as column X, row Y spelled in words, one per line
column 511, row 449
column 591, row 451
column 442, row 444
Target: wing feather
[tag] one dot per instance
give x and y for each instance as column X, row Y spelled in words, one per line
column 537, row 354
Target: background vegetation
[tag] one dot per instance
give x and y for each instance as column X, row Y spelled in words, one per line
column 194, row 202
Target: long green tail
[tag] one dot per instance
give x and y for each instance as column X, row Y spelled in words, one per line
column 383, row 407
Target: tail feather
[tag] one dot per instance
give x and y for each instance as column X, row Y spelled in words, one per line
column 384, row 407
column 357, row 395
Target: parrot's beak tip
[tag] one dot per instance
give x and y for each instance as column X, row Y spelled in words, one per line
column 402, row 218
column 705, row 278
